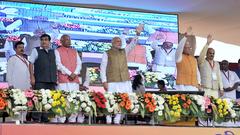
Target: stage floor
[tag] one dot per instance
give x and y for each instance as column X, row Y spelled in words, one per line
column 68, row 129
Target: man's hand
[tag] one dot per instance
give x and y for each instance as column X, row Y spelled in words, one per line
column 189, row 30
column 32, row 80
column 105, row 86
column 209, row 39
column 221, row 93
column 235, row 86
column 139, row 29
column 72, row 76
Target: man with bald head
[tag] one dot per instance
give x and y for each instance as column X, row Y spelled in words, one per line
column 114, row 69
column 69, row 66
column 230, row 80
column 211, row 79
column 188, row 78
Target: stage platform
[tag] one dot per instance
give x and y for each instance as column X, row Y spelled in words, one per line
column 75, row 129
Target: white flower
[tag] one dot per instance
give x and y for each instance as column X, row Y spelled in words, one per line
column 47, row 107
column 87, row 109
column 112, row 102
column 161, row 107
column 81, row 98
column 137, row 106
column 50, row 100
column 89, row 103
column 44, row 101
column 83, row 105
column 160, row 113
column 110, row 110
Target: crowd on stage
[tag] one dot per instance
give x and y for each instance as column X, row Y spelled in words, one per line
column 47, row 68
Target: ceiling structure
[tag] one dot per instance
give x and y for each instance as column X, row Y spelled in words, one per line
column 218, row 17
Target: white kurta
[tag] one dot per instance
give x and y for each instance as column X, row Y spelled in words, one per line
column 164, row 60
column 178, row 58
column 18, row 74
column 229, row 78
column 65, row 70
column 123, row 87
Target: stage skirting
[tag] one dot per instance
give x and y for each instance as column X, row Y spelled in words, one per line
column 52, row 129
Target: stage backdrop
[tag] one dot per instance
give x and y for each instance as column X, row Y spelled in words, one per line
column 91, row 31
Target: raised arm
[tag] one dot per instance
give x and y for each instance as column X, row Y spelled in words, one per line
column 204, row 50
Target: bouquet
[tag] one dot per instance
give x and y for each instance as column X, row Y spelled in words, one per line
column 135, row 104
column 173, row 108
column 124, row 102
column 45, row 99
column 58, row 103
column 111, row 104
column 151, row 79
column 3, row 102
column 17, row 102
column 73, row 102
column 87, row 106
column 158, row 112
column 100, row 101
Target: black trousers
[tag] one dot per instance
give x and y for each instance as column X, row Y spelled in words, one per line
column 41, row 116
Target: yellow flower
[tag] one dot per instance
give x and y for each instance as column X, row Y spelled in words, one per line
column 225, row 113
column 177, row 114
column 171, row 112
column 175, row 107
column 55, row 97
column 179, row 110
column 58, row 102
column 54, row 103
column 58, row 110
column 219, row 101
column 220, row 107
column 221, row 115
column 62, row 99
column 225, row 101
column 174, row 103
column 220, row 111
column 63, row 104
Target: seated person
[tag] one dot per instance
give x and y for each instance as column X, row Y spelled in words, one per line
column 138, row 85
column 161, row 85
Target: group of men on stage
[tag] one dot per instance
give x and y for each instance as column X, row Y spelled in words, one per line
column 60, row 69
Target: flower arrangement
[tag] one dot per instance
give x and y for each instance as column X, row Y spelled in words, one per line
column 135, row 104
column 59, row 103
column 45, row 100
column 159, row 106
column 149, row 102
column 100, row 100
column 151, row 79
column 94, row 74
column 3, row 102
column 32, row 99
column 87, row 106
column 222, row 109
column 185, row 102
column 19, row 103
column 124, row 102
column 173, row 108
column 73, row 103
column 111, row 104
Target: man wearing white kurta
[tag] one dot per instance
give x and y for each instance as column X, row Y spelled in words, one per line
column 188, row 76
column 230, row 81
column 69, row 66
column 164, row 59
column 114, row 69
column 18, row 75
column 211, row 79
